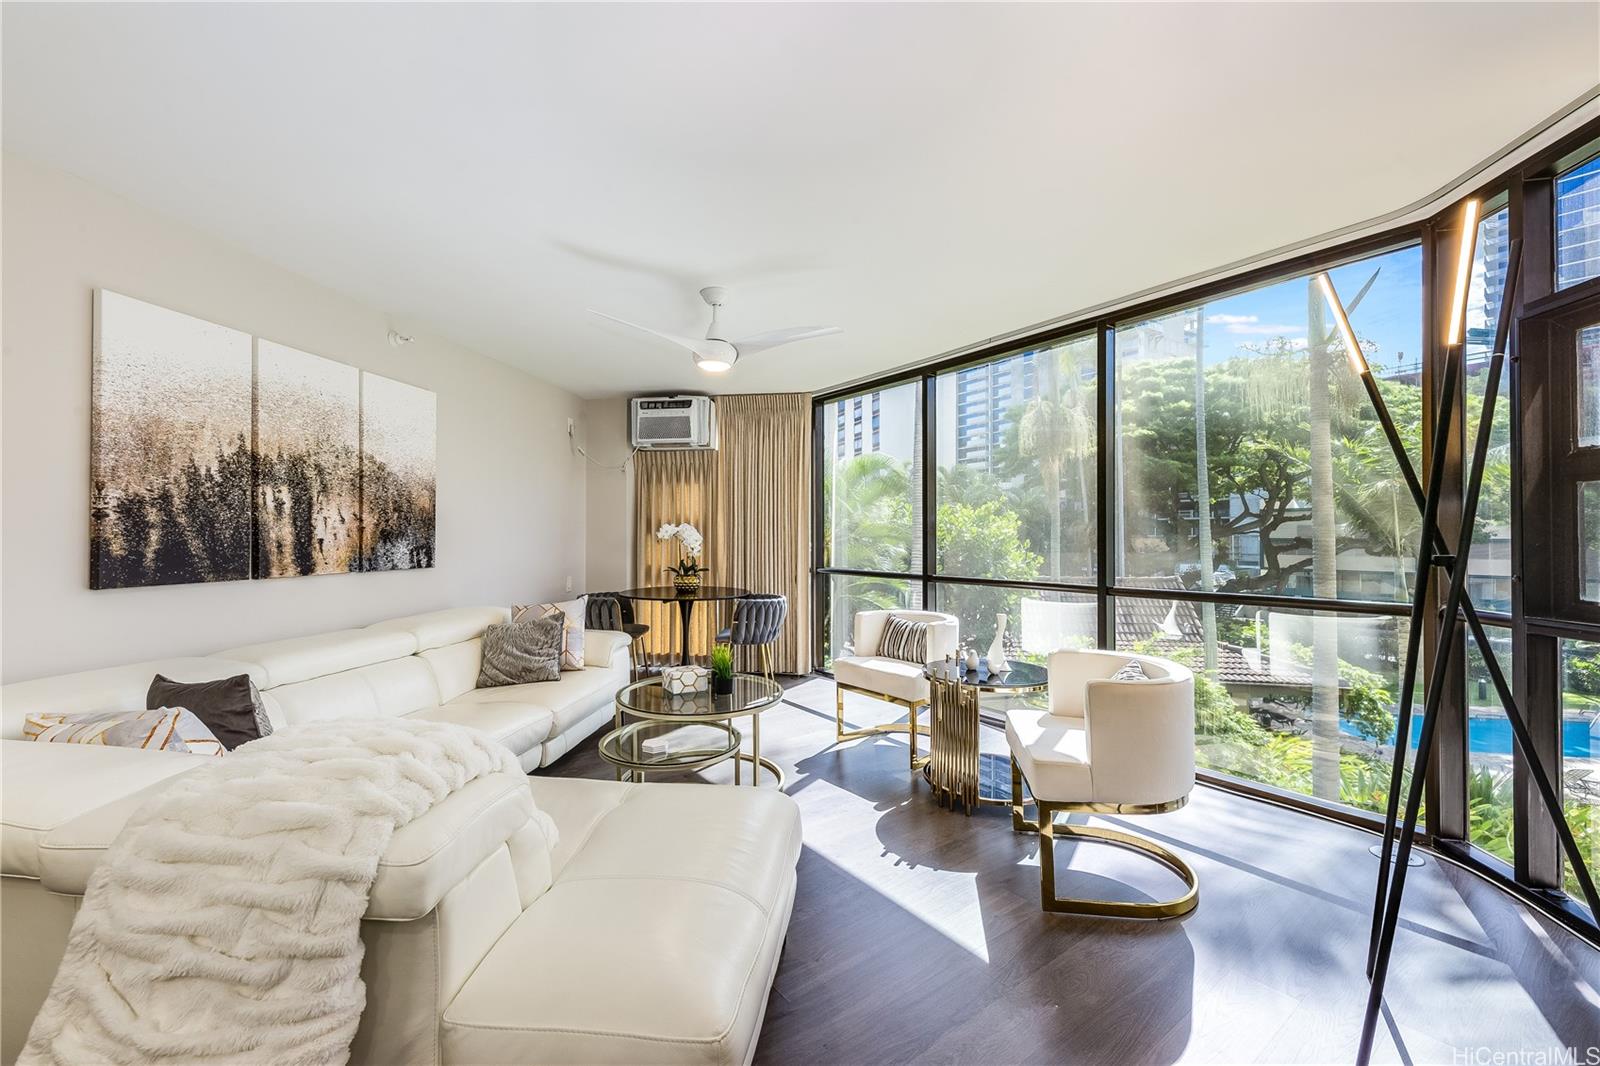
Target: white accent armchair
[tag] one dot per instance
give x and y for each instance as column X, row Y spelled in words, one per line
column 1105, row 746
column 862, row 670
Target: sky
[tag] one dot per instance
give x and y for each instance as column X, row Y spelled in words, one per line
column 1390, row 315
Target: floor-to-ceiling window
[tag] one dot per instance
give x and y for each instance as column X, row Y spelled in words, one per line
column 1206, row 478
column 870, row 451
column 1015, row 498
column 1252, row 471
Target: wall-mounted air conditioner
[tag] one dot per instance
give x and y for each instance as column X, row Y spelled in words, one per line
column 673, row 422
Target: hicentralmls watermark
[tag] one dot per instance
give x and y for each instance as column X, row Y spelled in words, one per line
column 1541, row 1056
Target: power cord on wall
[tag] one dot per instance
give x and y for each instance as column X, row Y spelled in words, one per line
column 572, row 435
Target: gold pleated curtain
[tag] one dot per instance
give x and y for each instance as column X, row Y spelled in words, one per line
column 672, row 487
column 752, row 500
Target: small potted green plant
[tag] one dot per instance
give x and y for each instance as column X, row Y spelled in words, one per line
column 722, row 670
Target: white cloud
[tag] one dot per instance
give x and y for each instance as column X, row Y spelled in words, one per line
column 1265, row 329
column 1224, row 320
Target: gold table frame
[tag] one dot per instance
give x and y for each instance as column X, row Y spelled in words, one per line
column 953, row 729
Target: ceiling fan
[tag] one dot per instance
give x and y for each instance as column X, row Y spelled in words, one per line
column 715, row 354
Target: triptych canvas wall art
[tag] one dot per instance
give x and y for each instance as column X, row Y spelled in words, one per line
column 219, row 457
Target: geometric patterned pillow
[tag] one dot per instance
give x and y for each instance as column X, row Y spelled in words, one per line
column 1130, row 671
column 163, row 729
column 571, row 613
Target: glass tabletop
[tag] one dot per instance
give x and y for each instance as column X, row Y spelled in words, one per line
column 751, row 694
column 653, row 746
column 1021, row 677
column 669, row 592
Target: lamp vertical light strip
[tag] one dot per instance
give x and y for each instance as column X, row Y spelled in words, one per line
column 1458, row 303
column 1352, row 350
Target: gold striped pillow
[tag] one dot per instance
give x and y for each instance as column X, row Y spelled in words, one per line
column 162, row 729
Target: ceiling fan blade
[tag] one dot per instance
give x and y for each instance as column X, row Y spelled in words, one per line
column 762, row 341
column 694, row 344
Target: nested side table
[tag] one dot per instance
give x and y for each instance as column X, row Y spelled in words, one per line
column 658, row 709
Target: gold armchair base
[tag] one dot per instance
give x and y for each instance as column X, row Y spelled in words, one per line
column 908, row 727
column 1048, row 829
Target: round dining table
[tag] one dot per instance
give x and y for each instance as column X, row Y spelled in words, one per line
column 685, row 602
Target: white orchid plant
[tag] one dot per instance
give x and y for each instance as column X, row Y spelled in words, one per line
column 693, row 545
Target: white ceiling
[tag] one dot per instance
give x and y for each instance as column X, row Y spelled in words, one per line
column 924, row 176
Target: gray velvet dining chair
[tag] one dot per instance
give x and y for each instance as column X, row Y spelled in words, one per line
column 610, row 611
column 757, row 623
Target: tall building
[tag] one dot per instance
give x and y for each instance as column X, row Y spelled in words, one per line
column 1578, row 225
column 858, row 426
column 985, row 398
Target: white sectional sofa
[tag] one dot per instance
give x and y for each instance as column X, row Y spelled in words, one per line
column 648, row 931
column 424, row 665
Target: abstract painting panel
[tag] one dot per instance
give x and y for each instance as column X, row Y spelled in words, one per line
column 308, row 463
column 170, row 448
column 398, row 441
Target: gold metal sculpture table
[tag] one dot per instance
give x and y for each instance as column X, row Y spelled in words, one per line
column 660, row 711
column 957, row 769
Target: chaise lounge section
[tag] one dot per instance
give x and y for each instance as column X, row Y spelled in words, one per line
column 648, row 930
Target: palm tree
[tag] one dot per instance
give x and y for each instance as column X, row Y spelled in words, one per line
column 1056, row 428
column 1202, row 477
column 1324, row 558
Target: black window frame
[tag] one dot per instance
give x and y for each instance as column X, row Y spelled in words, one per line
column 1535, row 874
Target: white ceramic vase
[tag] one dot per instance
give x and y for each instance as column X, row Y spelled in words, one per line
column 997, row 650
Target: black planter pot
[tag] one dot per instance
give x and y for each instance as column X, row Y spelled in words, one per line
column 721, row 686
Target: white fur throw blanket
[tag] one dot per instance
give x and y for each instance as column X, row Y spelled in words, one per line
column 223, row 924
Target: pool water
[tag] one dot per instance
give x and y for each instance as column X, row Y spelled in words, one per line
column 1492, row 736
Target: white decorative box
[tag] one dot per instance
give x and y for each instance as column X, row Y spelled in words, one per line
column 682, row 680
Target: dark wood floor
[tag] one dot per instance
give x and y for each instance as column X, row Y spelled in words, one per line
column 917, row 934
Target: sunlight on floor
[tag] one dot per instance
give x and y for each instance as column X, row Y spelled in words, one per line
column 906, row 884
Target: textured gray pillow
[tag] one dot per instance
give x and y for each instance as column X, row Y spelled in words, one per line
column 515, row 653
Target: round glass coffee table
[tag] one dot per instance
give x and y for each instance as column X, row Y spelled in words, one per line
column 956, row 768
column 660, row 742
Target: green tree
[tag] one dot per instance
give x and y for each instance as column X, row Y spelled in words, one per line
column 982, row 539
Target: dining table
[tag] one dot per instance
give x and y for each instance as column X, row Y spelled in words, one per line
column 686, row 600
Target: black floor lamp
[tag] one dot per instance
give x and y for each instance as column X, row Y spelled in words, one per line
column 1433, row 552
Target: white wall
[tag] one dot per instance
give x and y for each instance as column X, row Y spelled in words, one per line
column 511, row 493
column 610, row 495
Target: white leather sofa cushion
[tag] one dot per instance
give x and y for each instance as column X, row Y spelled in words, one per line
column 561, row 743
column 621, row 971
column 748, row 843
column 116, row 688
column 46, row 786
column 604, row 647
column 892, row 677
column 301, row 658
column 577, row 805
column 519, row 726
column 424, row 860
column 1053, row 752
column 571, row 698
column 455, row 667
column 436, row 629
column 396, row 687
column 431, row 855
column 645, row 949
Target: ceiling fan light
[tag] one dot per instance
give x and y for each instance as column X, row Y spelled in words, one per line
column 712, row 364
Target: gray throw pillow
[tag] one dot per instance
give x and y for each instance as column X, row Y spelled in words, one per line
column 516, row 653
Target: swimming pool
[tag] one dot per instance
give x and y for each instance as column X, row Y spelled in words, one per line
column 1492, row 736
